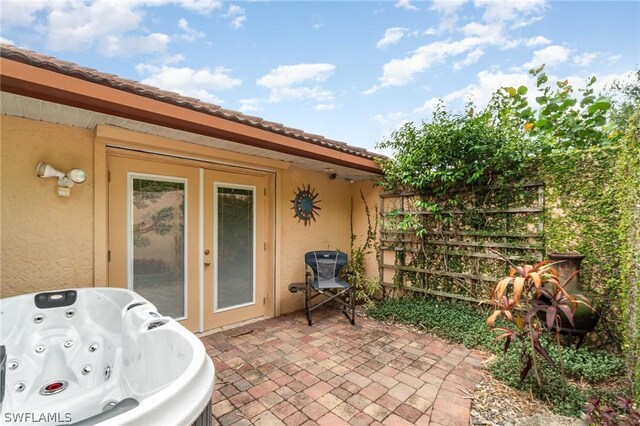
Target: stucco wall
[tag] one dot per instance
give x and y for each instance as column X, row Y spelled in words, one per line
column 46, row 241
column 329, row 232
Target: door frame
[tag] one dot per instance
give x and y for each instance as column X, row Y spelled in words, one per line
column 121, row 142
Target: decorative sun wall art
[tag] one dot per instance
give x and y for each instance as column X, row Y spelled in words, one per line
column 305, row 205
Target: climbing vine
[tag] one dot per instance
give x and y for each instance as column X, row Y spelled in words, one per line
column 627, row 192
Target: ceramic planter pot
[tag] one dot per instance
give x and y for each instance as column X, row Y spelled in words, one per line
column 586, row 315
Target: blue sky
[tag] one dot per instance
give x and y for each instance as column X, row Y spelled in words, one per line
column 348, row 70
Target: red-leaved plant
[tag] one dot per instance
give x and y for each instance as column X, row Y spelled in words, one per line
column 536, row 303
column 623, row 414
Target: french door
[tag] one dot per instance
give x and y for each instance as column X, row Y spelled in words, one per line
column 235, row 276
column 189, row 239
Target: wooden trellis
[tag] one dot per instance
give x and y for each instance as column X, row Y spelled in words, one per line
column 452, row 252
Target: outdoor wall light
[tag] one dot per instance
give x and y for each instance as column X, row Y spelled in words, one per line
column 331, row 172
column 65, row 181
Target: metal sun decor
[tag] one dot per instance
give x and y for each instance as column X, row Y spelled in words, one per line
column 305, row 204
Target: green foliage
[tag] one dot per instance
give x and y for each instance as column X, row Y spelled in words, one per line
column 600, row 220
column 627, row 194
column 590, row 365
column 560, row 120
column 492, row 146
column 627, row 101
column 366, row 288
column 603, row 366
column 457, row 322
column 452, row 151
column 572, row 140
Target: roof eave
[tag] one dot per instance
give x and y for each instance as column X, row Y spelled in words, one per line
column 39, row 83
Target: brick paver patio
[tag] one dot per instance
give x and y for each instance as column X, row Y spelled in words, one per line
column 281, row 371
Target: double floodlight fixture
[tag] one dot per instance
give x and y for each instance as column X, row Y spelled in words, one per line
column 65, row 180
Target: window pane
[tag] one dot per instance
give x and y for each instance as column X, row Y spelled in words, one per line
column 158, row 243
column 235, row 247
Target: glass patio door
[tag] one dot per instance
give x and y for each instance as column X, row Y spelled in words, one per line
column 234, row 247
column 153, row 234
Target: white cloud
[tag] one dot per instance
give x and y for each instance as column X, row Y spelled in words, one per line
column 237, row 16
column 449, row 18
column 249, row 105
column 20, row 12
column 585, row 59
column 447, row 7
column 301, row 81
column 428, row 107
column 393, row 120
column 526, row 22
column 201, row 6
column 537, row 41
column 550, row 56
column 399, row 72
column 612, row 59
column 481, row 91
column 507, row 10
column 189, row 33
column 489, row 32
column 201, row 83
column 173, row 59
column 391, row 36
column 471, row 58
column 111, row 46
column 112, row 27
column 6, row 40
column 406, row 4
column 325, row 107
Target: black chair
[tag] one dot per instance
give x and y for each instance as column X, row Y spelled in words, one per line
column 323, row 279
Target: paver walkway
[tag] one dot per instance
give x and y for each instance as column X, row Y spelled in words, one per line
column 281, row 371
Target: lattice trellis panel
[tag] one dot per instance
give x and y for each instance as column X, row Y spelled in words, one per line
column 451, row 252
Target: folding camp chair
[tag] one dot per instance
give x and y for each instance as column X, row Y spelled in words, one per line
column 324, row 280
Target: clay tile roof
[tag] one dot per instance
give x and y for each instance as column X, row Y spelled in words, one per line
column 89, row 74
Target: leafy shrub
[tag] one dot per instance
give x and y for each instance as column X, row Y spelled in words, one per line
column 453, row 150
column 592, row 366
column 453, row 321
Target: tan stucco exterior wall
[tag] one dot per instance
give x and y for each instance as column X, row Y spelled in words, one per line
column 329, row 232
column 46, row 241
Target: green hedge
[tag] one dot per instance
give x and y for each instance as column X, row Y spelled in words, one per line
column 592, row 205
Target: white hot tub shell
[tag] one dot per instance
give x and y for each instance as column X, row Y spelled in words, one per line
column 100, row 356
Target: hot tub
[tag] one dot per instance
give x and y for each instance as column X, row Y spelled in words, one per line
column 100, row 356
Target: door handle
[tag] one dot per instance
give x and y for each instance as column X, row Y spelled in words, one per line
column 207, row 263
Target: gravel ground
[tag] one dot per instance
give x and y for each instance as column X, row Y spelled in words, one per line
column 497, row 404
